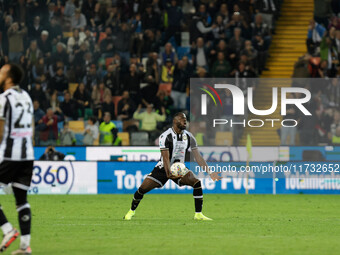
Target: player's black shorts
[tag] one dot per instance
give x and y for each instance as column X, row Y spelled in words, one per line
column 19, row 173
column 158, row 175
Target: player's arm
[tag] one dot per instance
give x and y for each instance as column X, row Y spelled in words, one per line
column 166, row 162
column 203, row 164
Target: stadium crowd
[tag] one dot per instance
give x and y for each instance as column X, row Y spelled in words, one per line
column 105, row 60
column 323, row 62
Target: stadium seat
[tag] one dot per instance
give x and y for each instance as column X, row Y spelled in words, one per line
column 67, row 34
column 79, row 139
column 115, row 100
column 166, row 87
column 119, row 125
column 182, row 51
column 72, row 87
column 129, row 123
column 139, row 138
column 224, row 138
column 77, row 126
column 125, row 138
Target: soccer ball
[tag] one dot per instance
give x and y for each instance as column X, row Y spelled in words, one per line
column 178, row 169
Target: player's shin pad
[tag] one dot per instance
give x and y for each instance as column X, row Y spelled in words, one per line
column 198, row 196
column 24, row 213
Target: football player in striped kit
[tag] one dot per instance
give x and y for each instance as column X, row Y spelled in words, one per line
column 16, row 153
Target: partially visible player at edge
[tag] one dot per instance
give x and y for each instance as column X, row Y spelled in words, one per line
column 174, row 143
column 16, row 153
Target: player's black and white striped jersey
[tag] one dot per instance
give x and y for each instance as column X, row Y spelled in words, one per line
column 16, row 109
column 177, row 144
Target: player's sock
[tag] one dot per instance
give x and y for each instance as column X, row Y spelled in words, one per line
column 6, row 227
column 198, row 196
column 24, row 213
column 25, row 241
column 137, row 197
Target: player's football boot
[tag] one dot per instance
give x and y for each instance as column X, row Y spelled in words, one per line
column 200, row 216
column 129, row 215
column 26, row 251
column 8, row 239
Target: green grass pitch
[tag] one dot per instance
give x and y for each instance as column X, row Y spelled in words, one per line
column 163, row 224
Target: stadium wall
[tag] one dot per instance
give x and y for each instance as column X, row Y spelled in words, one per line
column 80, row 177
column 236, row 154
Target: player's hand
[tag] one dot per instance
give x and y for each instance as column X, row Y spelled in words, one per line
column 215, row 177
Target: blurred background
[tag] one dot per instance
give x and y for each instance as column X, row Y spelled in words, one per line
column 112, row 72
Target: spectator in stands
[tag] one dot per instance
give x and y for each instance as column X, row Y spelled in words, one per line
column 91, row 131
column 67, row 136
column 55, row 30
column 168, row 71
column 111, row 80
column 78, row 20
column 169, row 53
column 221, row 67
column 15, row 41
column 219, row 30
column 59, row 82
column 60, row 55
column 175, row 16
column 99, row 93
column 150, row 43
column 33, row 53
column 251, row 54
column 107, row 44
column 236, row 43
column 163, row 101
column 91, row 78
column 122, row 42
column 38, row 122
column 329, row 52
column 267, row 9
column 336, row 137
column 150, row 19
column 108, row 106
column 54, row 103
column 149, row 118
column 108, row 132
column 4, row 40
column 34, row 30
column 261, row 47
column 199, row 54
column 88, row 9
column 314, row 38
column 69, row 107
column 132, row 82
column 44, row 44
column 83, row 99
column 37, row 94
column 126, row 107
column 291, row 113
column 238, row 21
column 179, row 85
column 52, row 154
column 200, row 27
column 39, row 69
column 49, row 133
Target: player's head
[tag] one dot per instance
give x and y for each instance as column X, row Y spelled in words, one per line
column 180, row 121
column 11, row 74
